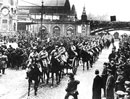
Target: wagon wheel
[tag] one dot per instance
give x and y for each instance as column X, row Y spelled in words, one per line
column 74, row 65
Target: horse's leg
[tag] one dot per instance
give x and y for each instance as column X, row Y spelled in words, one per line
column 52, row 76
column 83, row 65
column 29, row 85
column 87, row 64
column 58, row 77
column 67, row 68
column 47, row 77
column 61, row 73
column 76, row 66
column 43, row 79
column 35, row 86
column 43, row 76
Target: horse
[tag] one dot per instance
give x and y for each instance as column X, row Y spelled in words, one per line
column 33, row 75
column 55, row 68
column 85, row 58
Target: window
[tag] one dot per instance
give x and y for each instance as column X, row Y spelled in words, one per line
column 4, row 21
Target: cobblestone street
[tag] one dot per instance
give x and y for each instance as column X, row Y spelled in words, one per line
column 14, row 85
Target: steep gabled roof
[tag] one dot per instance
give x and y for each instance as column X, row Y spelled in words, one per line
column 39, row 2
column 50, row 6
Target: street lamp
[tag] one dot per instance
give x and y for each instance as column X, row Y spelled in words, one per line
column 41, row 19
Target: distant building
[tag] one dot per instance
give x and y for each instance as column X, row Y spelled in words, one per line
column 50, row 18
column 85, row 24
column 58, row 18
column 8, row 17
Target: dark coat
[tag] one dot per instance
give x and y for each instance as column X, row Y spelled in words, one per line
column 104, row 77
column 34, row 74
column 97, row 85
column 110, row 83
column 72, row 86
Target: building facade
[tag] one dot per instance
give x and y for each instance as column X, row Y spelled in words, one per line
column 8, row 17
column 47, row 18
column 52, row 19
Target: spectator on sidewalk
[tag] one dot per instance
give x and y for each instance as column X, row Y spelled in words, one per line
column 72, row 87
column 110, row 83
column 104, row 77
column 97, row 85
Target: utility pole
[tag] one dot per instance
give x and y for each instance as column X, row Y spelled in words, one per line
column 41, row 20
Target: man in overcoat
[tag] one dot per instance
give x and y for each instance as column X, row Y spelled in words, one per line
column 97, row 85
column 110, row 83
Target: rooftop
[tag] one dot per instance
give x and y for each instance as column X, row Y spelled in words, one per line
column 39, row 2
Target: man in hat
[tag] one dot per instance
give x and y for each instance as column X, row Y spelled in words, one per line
column 104, row 77
column 127, row 69
column 97, row 85
column 72, row 87
column 112, row 56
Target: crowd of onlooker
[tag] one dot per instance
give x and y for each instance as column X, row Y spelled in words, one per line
column 115, row 78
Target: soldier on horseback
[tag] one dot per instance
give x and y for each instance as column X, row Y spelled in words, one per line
column 34, row 75
column 72, row 51
column 33, row 72
column 33, row 58
column 44, row 61
column 73, row 59
column 55, row 53
column 43, row 57
column 55, row 64
column 63, row 54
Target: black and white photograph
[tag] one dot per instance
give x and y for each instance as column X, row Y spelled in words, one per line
column 64, row 49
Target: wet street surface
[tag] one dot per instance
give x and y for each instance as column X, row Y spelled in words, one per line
column 13, row 84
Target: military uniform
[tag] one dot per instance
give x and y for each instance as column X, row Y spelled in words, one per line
column 33, row 58
column 43, row 57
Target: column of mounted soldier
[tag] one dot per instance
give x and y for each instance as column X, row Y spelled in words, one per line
column 55, row 56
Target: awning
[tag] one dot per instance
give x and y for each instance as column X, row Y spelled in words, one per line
column 26, row 22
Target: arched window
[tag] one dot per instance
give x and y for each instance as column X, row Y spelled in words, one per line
column 14, row 26
column 56, row 31
column 70, row 31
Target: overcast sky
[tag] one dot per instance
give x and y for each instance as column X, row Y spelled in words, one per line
column 100, row 9
column 105, row 8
